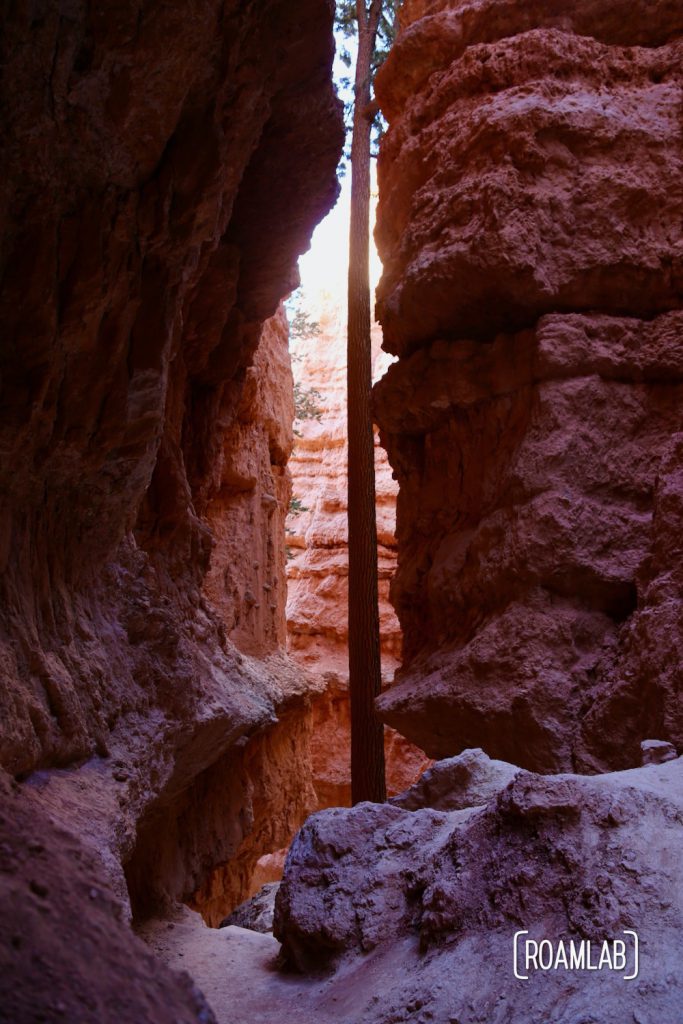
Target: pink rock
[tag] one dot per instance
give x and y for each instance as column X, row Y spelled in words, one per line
column 529, row 224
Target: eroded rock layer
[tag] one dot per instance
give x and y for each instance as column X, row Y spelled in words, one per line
column 530, row 226
column 246, row 581
column 162, row 168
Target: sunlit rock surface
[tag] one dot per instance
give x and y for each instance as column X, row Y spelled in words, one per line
column 317, row 569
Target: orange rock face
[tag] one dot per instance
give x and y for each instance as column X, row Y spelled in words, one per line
column 318, row 567
column 246, row 581
column 530, row 226
column 532, row 166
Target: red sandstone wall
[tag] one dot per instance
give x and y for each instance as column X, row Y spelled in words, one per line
column 530, row 227
column 162, row 168
column 137, row 198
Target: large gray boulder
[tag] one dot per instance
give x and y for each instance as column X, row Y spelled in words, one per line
column 429, row 901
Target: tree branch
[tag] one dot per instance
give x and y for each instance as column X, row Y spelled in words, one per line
column 373, row 19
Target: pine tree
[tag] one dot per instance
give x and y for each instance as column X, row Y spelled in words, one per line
column 373, row 29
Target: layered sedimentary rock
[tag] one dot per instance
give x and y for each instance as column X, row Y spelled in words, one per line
column 317, row 529
column 246, row 582
column 530, row 227
column 134, row 288
column 270, row 788
column 317, row 607
column 413, row 913
column 162, row 168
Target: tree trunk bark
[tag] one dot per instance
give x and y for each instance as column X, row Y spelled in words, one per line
column 367, row 732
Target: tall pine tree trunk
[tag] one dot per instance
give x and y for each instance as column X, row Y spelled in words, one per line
column 367, row 734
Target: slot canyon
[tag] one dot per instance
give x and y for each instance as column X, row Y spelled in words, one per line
column 177, row 841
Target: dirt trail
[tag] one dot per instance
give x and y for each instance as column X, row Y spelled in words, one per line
column 236, row 971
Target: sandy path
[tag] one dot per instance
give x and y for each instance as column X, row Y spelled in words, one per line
column 235, row 969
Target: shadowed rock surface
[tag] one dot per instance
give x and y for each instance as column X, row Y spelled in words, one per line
column 67, row 953
column 163, row 166
column 257, row 913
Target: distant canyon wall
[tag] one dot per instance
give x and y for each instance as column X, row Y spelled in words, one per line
column 317, row 619
column 529, row 224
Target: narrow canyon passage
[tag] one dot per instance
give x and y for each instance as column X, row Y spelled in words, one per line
column 174, row 712
column 277, row 578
